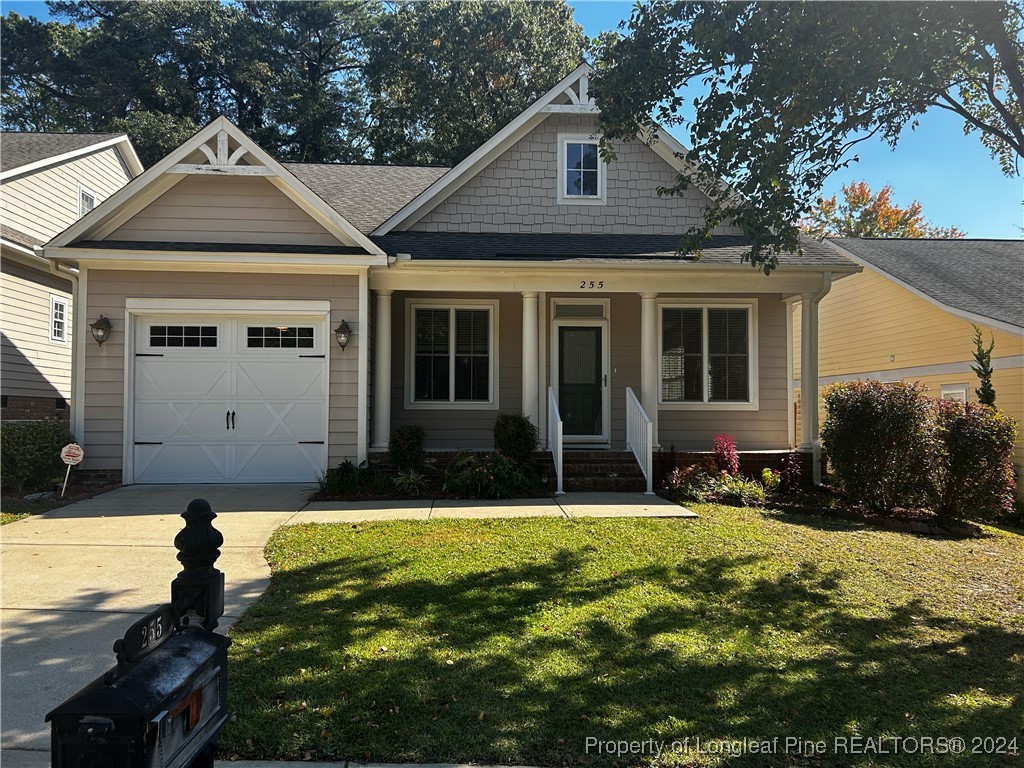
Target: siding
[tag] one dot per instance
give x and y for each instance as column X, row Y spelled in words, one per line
column 104, row 384
column 517, row 192
column 45, row 203
column 212, row 209
column 30, row 364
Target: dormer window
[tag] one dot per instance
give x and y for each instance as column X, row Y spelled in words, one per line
column 581, row 173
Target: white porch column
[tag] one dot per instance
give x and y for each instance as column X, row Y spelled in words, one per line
column 808, row 371
column 531, row 378
column 382, row 371
column 649, row 359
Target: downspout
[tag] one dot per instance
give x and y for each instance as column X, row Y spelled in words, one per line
column 66, row 273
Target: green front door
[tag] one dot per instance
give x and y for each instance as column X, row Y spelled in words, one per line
column 580, row 392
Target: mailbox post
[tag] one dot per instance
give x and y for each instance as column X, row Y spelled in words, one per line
column 165, row 701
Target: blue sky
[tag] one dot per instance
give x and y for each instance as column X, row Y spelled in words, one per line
column 952, row 175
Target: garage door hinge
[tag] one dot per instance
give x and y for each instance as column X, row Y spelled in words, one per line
column 148, row 354
column 311, row 442
column 312, row 355
column 146, row 442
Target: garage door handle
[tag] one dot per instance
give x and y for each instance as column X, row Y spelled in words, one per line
column 232, row 419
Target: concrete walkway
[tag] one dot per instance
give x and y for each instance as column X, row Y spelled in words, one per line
column 76, row 578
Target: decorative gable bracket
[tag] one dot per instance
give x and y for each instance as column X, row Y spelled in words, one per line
column 222, row 161
column 580, row 101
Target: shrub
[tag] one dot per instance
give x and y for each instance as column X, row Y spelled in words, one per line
column 515, row 436
column 693, row 483
column 727, row 458
column 30, row 459
column 791, row 474
column 411, row 482
column 494, row 477
column 406, row 447
column 973, row 468
column 771, row 479
column 879, row 442
column 738, row 491
column 342, row 480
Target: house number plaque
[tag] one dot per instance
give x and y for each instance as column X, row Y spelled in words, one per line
column 591, row 285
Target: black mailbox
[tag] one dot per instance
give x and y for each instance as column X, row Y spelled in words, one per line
column 165, row 701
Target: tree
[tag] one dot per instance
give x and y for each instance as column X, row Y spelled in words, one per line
column 445, row 76
column 866, row 214
column 790, row 89
column 983, row 368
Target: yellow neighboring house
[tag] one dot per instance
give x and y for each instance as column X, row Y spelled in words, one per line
column 908, row 315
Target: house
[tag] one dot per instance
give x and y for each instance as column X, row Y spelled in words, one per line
column 47, row 182
column 908, row 316
column 270, row 320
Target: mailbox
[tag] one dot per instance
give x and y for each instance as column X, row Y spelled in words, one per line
column 165, row 701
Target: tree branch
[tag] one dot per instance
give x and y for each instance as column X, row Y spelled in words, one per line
column 992, row 23
column 954, row 106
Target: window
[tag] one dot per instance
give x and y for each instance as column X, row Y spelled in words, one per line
column 279, row 337
column 581, row 173
column 707, row 355
column 453, row 354
column 58, row 319
column 86, row 201
column 955, row 392
column 183, row 336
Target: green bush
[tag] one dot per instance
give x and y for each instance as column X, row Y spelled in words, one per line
column 406, row 447
column 411, row 482
column 30, row 455
column 771, row 479
column 342, row 480
column 878, row 438
column 496, row 476
column 693, row 483
column 515, row 436
column 973, row 475
column 738, row 491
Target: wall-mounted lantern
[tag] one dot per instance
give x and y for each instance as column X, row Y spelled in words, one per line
column 101, row 330
column 343, row 333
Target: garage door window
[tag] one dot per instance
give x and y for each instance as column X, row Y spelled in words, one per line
column 279, row 337
column 183, row 336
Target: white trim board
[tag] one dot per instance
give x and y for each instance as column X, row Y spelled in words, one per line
column 939, row 369
column 123, row 144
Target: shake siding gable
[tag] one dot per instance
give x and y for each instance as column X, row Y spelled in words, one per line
column 44, row 203
column 211, row 209
column 517, row 192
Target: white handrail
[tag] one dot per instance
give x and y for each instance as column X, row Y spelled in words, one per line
column 555, row 438
column 640, row 437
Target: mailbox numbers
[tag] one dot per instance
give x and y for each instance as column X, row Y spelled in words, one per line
column 152, row 632
column 147, row 633
column 591, row 285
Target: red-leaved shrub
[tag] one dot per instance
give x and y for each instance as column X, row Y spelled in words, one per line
column 727, row 458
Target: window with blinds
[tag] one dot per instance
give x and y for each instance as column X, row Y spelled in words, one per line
column 452, row 354
column 705, row 354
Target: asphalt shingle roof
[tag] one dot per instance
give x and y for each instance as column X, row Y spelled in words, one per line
column 568, row 247
column 366, row 195
column 985, row 277
column 18, row 238
column 18, row 149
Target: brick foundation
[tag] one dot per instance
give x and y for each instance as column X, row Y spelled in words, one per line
column 98, row 476
column 18, row 408
column 751, row 463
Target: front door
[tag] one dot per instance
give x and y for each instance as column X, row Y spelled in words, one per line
column 581, row 382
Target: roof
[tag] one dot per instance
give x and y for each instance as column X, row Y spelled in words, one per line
column 366, row 195
column 146, row 245
column 725, row 249
column 18, row 238
column 20, row 149
column 979, row 277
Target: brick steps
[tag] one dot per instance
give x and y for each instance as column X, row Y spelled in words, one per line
column 601, row 471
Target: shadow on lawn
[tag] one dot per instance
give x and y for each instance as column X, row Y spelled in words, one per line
column 720, row 653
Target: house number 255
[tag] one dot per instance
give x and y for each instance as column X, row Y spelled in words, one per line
column 591, row 285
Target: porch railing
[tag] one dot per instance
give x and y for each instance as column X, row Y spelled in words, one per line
column 555, row 438
column 640, row 437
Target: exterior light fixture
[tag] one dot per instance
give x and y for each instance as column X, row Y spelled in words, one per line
column 101, row 330
column 343, row 333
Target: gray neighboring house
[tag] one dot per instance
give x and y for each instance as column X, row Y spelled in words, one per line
column 47, row 182
column 530, row 278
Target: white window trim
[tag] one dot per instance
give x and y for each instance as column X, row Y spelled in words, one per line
column 54, row 301
column 753, row 404
column 963, row 389
column 602, row 171
column 84, row 190
column 410, row 342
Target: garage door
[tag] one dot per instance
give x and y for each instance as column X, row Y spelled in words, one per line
column 239, row 399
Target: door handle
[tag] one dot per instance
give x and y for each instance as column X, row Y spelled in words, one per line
column 604, row 378
column 227, row 419
column 232, row 419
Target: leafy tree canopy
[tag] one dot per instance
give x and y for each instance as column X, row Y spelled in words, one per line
column 792, row 88
column 862, row 213
column 331, row 80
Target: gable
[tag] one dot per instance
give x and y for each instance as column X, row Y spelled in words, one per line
column 517, row 191
column 228, row 209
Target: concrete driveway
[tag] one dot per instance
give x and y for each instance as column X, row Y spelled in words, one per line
column 76, row 578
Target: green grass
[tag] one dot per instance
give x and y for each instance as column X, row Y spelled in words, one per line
column 19, row 509
column 511, row 641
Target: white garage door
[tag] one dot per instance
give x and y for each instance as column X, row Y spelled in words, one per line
column 240, row 399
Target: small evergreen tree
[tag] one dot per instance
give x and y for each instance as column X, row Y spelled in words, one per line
column 983, row 357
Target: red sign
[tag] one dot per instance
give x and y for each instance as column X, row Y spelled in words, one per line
column 72, row 454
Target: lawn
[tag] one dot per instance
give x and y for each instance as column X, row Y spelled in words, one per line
column 513, row 641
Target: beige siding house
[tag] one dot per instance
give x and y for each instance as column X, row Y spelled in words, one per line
column 530, row 278
column 47, row 182
column 908, row 317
